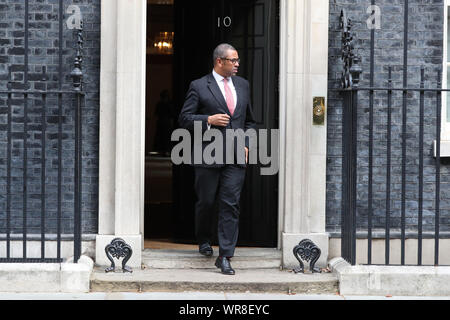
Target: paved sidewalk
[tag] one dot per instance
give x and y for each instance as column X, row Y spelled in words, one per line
column 193, row 296
column 211, row 280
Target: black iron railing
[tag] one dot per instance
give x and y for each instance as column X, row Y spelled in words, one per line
column 355, row 97
column 47, row 100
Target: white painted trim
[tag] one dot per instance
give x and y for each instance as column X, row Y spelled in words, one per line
column 445, row 149
column 143, row 116
column 107, row 122
column 47, row 277
column 391, row 280
column 445, row 125
column 282, row 117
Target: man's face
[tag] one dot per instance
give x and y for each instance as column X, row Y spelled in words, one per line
column 226, row 65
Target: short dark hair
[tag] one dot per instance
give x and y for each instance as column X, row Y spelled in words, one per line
column 221, row 50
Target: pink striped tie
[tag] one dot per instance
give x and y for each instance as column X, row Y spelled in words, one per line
column 228, row 96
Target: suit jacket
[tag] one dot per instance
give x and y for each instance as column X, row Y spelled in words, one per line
column 204, row 99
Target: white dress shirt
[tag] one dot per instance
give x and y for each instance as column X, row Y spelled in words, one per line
column 219, row 80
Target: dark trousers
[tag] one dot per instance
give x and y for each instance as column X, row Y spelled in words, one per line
column 224, row 185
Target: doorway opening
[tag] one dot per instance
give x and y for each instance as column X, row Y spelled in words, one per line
column 159, row 122
column 181, row 36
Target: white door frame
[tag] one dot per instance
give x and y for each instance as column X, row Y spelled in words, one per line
column 302, row 174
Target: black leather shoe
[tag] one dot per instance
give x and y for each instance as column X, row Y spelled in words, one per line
column 205, row 249
column 224, row 265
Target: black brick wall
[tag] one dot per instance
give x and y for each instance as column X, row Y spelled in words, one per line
column 424, row 48
column 43, row 51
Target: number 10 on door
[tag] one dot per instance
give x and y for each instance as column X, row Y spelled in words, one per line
column 226, row 22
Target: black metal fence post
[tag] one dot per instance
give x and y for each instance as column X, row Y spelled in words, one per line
column 371, row 125
column 77, row 76
column 60, row 115
column 25, row 135
column 8, row 168
column 421, row 134
column 404, row 129
column 43, row 159
column 438, row 169
column 350, row 82
column 388, row 162
column 353, row 173
column 347, row 209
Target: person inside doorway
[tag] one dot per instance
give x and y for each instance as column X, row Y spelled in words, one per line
column 220, row 100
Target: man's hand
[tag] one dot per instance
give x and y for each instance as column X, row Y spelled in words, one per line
column 246, row 155
column 220, row 119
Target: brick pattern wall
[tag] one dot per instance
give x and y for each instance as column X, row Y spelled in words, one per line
column 43, row 51
column 425, row 48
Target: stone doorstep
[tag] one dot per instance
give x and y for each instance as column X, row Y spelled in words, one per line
column 245, row 258
column 257, row 270
column 245, row 280
column 377, row 280
column 66, row 277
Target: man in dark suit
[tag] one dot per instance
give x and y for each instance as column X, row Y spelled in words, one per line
column 219, row 100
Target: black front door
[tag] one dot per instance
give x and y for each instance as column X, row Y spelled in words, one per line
column 251, row 26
